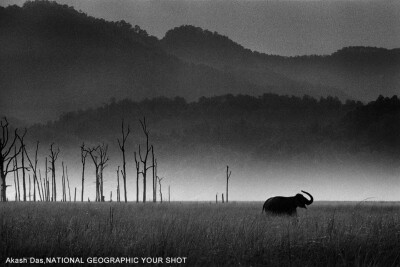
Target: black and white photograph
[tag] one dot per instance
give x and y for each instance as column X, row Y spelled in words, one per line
column 200, row 133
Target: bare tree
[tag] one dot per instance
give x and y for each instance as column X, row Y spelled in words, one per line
column 53, row 157
column 42, row 186
column 118, row 191
column 93, row 154
column 46, row 178
column 228, row 176
column 144, row 157
column 21, row 139
column 154, row 175
column 95, row 159
column 29, row 191
column 69, row 189
column 33, row 166
column 100, row 158
column 103, row 149
column 17, row 175
column 159, row 182
column 122, row 147
column 169, row 193
column 15, row 186
column 7, row 144
column 63, row 183
column 84, row 154
column 137, row 165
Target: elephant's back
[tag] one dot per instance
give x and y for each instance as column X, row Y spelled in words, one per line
column 274, row 203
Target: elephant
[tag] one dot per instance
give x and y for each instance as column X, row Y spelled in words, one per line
column 287, row 205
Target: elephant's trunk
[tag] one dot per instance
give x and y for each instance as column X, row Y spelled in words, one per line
column 311, row 198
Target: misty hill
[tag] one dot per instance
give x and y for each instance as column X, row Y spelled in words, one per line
column 267, row 128
column 56, row 59
column 359, row 72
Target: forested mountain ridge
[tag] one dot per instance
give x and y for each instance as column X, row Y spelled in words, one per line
column 268, row 127
column 195, row 45
column 359, row 72
column 59, row 59
column 56, row 59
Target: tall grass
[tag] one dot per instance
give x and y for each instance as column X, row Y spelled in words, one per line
column 207, row 234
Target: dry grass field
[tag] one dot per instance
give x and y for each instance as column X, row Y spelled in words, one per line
column 234, row 234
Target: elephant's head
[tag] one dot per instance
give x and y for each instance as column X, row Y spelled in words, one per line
column 301, row 201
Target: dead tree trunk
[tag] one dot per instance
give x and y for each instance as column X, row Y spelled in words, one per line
column 93, row 154
column 69, row 189
column 159, row 182
column 101, row 184
column 47, row 181
column 222, row 197
column 6, row 146
column 42, row 187
column 97, row 184
column 15, row 186
column 75, row 195
column 169, row 194
column 17, row 175
column 99, row 157
column 103, row 160
column 154, row 176
column 21, row 139
column 122, row 147
column 53, row 157
column 228, row 175
column 144, row 158
column 118, row 192
column 63, row 182
column 3, row 186
column 29, row 190
column 23, row 176
column 137, row 165
column 84, row 154
column 33, row 166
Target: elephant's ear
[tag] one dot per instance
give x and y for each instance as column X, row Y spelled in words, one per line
column 299, row 200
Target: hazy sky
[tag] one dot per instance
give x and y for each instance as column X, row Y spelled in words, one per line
column 274, row 27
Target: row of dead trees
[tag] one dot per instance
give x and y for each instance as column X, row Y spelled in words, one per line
column 143, row 165
column 13, row 146
column 44, row 187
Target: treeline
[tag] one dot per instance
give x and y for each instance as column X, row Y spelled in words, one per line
column 351, row 72
column 376, row 124
column 269, row 126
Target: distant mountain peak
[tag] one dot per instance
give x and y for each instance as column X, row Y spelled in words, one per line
column 189, row 36
column 42, row 18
